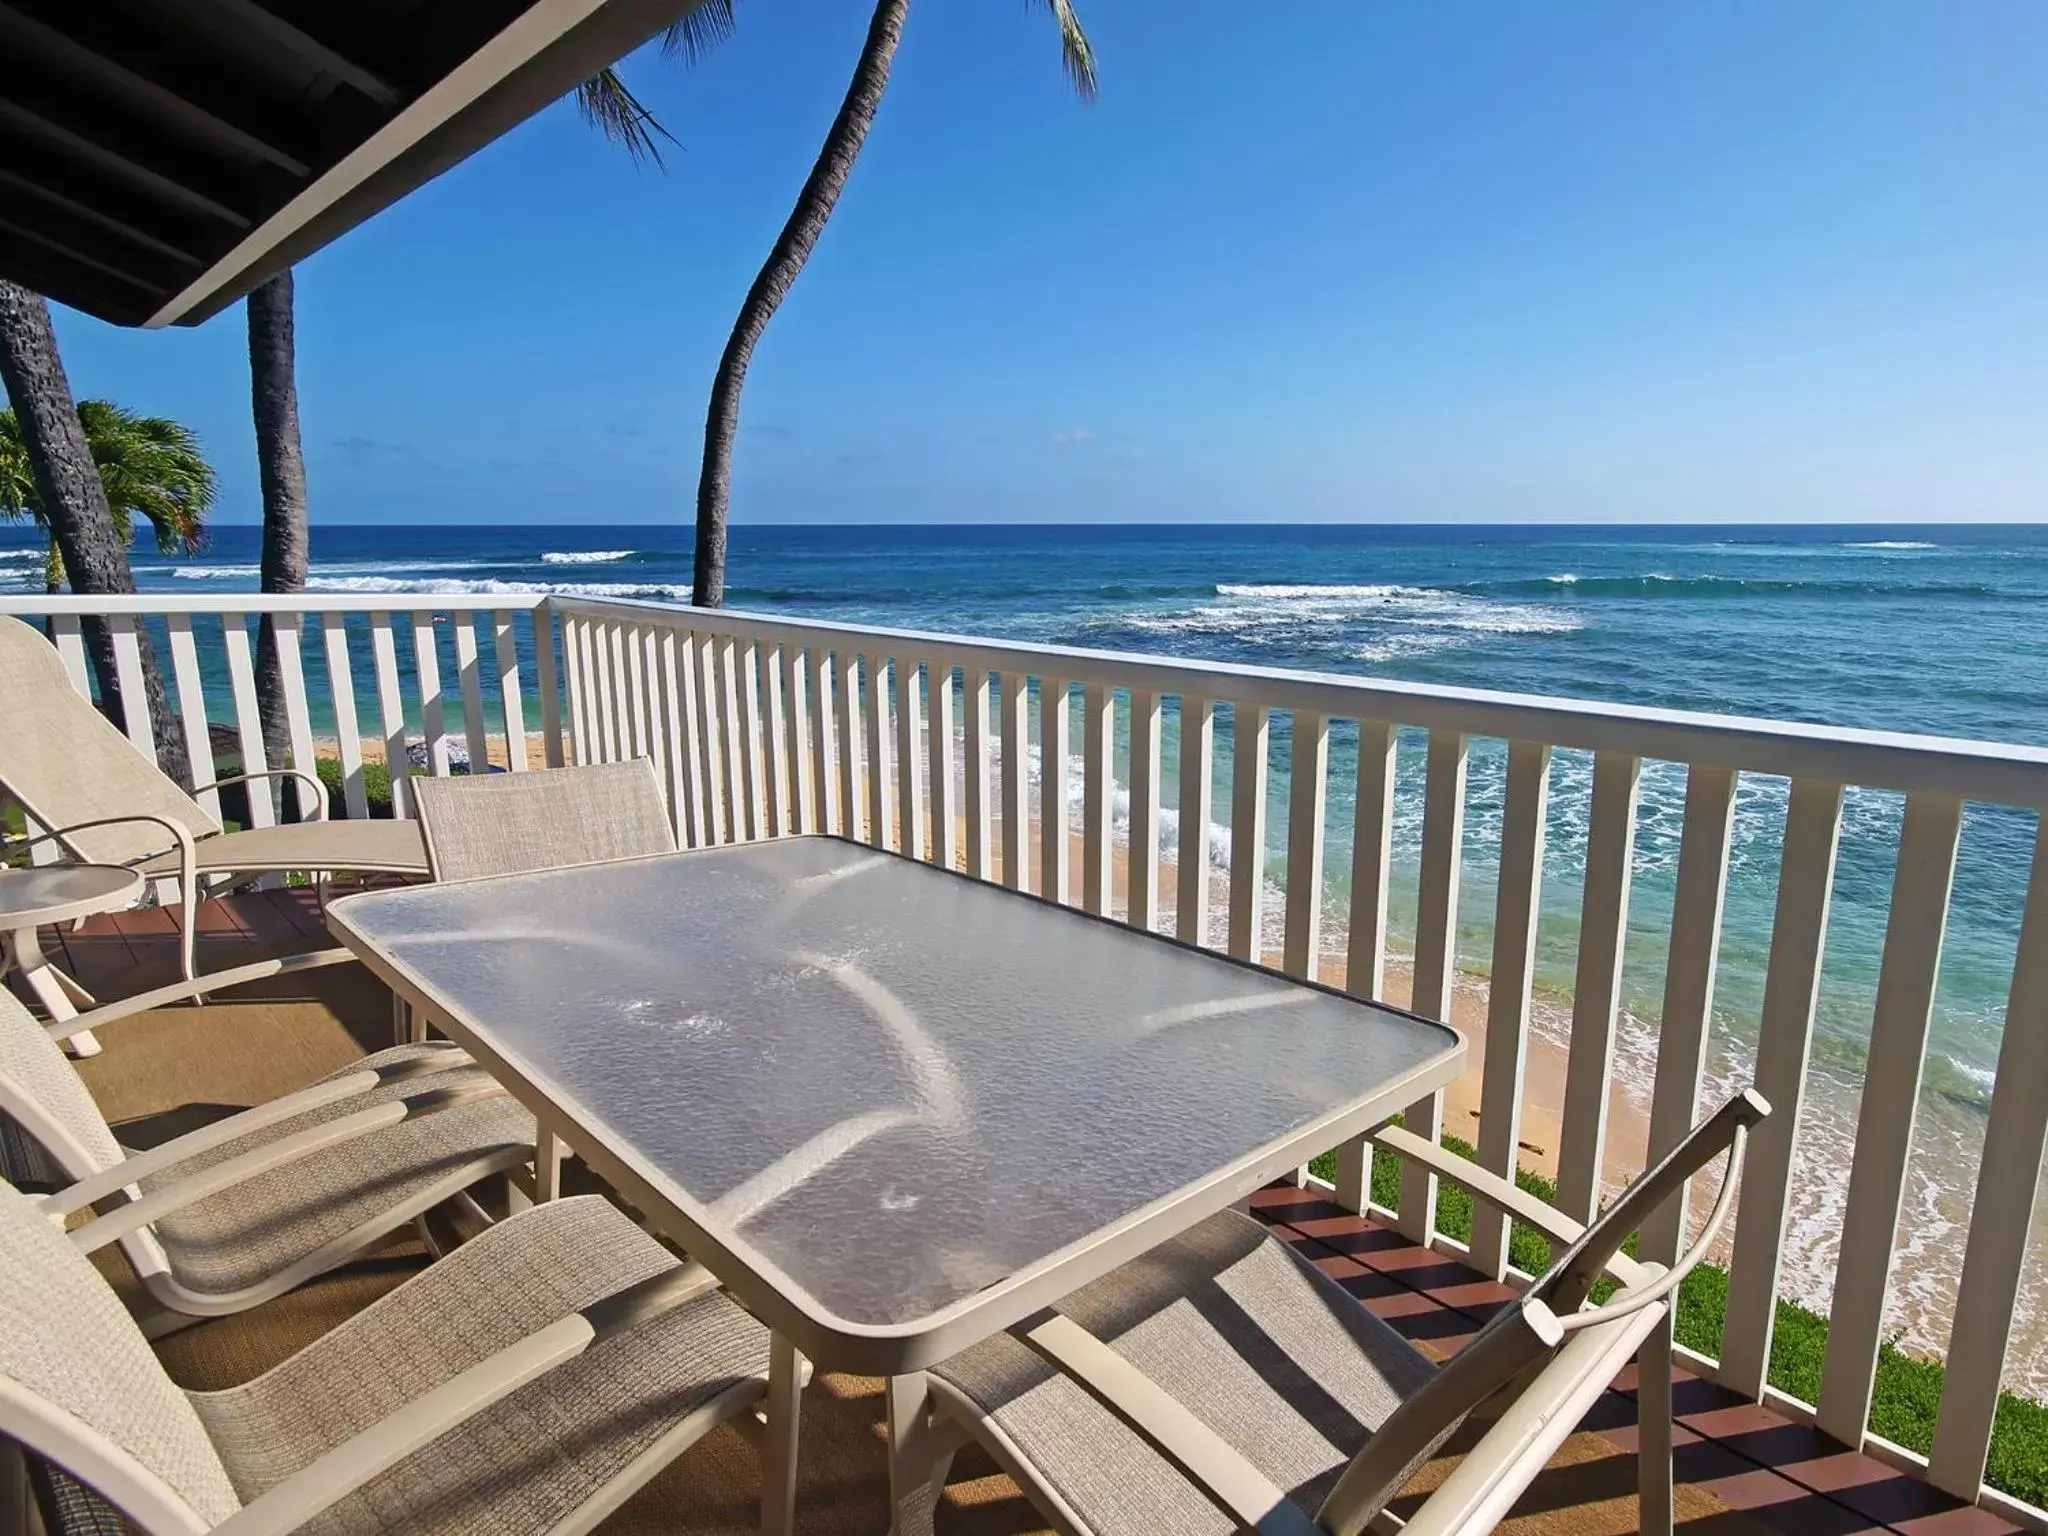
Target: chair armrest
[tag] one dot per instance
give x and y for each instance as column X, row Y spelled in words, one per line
column 1571, row 1280
column 180, row 1149
column 1662, row 1285
column 1504, row 1195
column 159, row 1203
column 61, row 1030
column 328, row 1478
column 1515, row 1449
column 181, row 835
column 1203, row 1456
column 319, row 789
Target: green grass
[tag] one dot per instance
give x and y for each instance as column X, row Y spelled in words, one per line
column 1908, row 1390
column 376, row 787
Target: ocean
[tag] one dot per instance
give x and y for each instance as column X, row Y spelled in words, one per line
column 1936, row 629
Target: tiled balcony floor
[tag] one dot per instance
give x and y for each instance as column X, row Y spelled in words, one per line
column 1742, row 1469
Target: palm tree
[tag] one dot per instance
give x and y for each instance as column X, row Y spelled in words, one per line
column 149, row 466
column 615, row 111
column 72, row 500
column 793, row 248
column 281, row 465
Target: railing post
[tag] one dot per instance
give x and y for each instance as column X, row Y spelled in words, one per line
column 2002, row 1217
column 1891, row 1100
column 1514, row 966
column 1674, row 1100
column 1806, row 877
column 1197, row 810
column 1248, row 780
column 1098, row 790
column 1596, row 993
column 1365, row 954
column 1055, row 728
column 1142, row 903
column 1436, row 955
column 1016, row 687
column 1307, row 799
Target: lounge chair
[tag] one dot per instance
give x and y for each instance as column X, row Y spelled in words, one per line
column 528, row 1383
column 1222, row 1383
column 514, row 823
column 100, row 799
column 242, row 1210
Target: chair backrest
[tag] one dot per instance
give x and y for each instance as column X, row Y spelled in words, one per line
column 1522, row 1345
column 41, row 1093
column 80, row 1387
column 513, row 823
column 46, row 1099
column 65, row 762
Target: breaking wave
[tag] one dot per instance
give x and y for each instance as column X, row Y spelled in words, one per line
column 490, row 586
column 1659, row 584
column 585, row 556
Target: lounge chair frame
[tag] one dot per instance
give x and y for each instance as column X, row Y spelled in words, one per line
column 1535, row 1372
column 47, row 1430
column 129, row 1222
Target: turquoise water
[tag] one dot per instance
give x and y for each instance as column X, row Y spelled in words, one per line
column 1917, row 629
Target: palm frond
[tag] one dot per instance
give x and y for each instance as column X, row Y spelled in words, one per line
column 609, row 105
column 152, row 466
column 698, row 31
column 17, row 481
column 1076, row 52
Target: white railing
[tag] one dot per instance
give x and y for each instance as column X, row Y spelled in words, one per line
column 763, row 726
column 390, row 671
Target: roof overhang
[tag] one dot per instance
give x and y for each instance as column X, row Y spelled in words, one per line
column 160, row 158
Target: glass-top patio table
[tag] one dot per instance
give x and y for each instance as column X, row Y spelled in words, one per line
column 893, row 1108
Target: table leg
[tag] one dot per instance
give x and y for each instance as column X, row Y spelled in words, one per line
column 913, row 1491
column 547, row 1165
column 52, row 988
column 779, row 1445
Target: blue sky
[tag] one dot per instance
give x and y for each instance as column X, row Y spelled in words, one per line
column 1330, row 261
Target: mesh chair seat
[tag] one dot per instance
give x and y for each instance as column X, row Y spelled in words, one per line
column 559, row 1451
column 247, row 1233
column 218, row 1248
column 533, row 1459
column 374, row 846
column 1269, row 1352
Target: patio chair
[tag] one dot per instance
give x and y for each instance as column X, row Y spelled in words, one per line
column 1222, row 1383
column 245, row 1209
column 528, row 1383
column 100, row 799
column 516, row 823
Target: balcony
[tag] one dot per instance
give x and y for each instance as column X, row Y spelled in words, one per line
column 1399, row 840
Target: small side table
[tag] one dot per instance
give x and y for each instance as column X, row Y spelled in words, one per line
column 57, row 893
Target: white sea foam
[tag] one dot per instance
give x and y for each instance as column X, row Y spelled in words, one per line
column 491, row 586
column 585, row 556
column 12, row 556
column 1893, row 544
column 1349, row 593
column 323, row 570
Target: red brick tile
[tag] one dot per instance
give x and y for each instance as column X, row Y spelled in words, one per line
column 299, row 903
column 1964, row 1520
column 1775, row 1501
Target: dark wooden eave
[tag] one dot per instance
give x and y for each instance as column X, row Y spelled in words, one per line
column 160, row 158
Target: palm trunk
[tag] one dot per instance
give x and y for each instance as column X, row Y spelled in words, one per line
column 274, row 391
column 75, row 503
column 792, row 249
